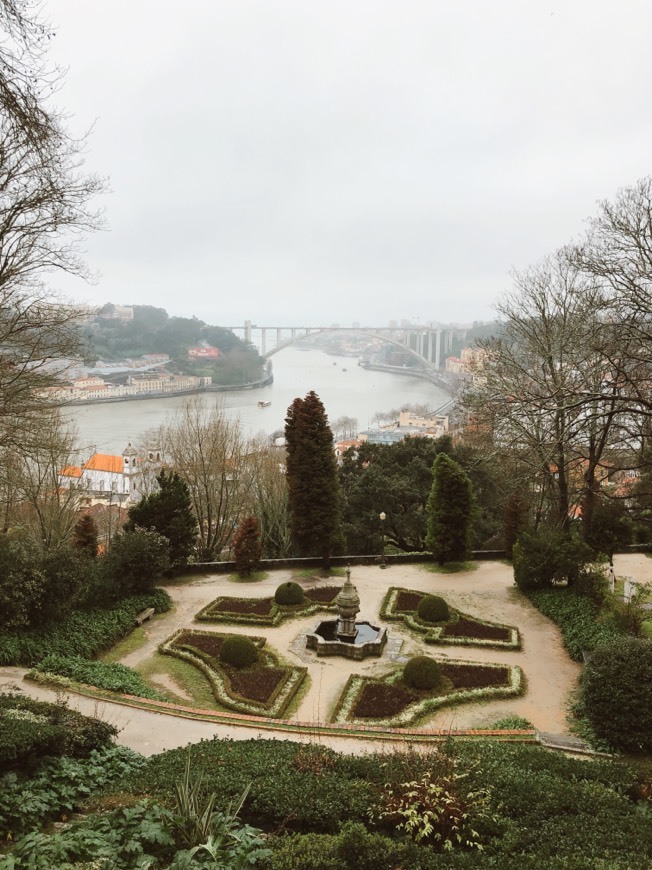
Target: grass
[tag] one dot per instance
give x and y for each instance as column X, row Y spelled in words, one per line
column 254, row 577
column 312, row 573
column 134, row 640
column 185, row 675
column 131, row 643
column 450, row 567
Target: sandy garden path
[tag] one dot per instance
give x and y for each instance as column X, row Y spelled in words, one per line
column 488, row 592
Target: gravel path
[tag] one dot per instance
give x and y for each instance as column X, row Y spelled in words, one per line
column 487, row 592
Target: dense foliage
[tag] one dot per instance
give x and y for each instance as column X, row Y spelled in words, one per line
column 542, row 807
column 397, row 479
column 135, row 562
column 577, row 616
column 450, row 506
column 56, row 786
column 36, row 585
column 548, row 556
column 168, row 512
column 152, row 330
column 312, row 479
column 31, row 730
column 111, row 676
column 83, row 633
column 616, row 693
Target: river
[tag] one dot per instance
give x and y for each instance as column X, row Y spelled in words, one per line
column 344, row 388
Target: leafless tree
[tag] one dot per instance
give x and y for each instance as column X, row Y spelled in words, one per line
column 45, row 211
column 551, row 386
column 32, row 490
column 220, row 467
column 271, row 503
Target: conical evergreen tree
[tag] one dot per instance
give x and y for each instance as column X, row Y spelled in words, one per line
column 312, row 477
column 169, row 512
column 85, row 536
column 247, row 546
column 449, row 511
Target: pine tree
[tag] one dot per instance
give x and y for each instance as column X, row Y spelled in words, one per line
column 312, row 477
column 247, row 546
column 169, row 512
column 85, row 537
column 449, row 511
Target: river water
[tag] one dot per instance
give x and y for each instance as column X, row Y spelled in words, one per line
column 344, row 388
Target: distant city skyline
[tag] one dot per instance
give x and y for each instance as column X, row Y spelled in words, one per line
column 297, row 161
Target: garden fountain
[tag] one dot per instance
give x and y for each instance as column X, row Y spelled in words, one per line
column 344, row 636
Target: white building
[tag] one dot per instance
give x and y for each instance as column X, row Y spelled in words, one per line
column 117, row 479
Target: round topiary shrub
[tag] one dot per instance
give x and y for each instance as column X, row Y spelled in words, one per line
column 422, row 672
column 432, row 608
column 289, row 594
column 616, row 693
column 239, row 651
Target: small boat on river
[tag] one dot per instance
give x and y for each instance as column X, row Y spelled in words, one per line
column 264, row 404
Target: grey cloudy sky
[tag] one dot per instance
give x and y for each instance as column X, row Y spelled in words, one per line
column 303, row 162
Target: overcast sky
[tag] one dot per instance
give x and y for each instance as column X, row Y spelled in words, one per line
column 303, row 162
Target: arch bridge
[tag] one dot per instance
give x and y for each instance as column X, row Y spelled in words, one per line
column 429, row 345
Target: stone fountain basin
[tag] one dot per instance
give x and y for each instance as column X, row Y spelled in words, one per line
column 369, row 640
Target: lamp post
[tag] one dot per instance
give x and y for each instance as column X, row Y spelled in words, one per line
column 382, row 516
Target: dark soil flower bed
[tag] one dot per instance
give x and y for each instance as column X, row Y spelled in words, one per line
column 379, row 700
column 465, row 627
column 407, row 602
column 253, row 606
column 205, row 643
column 323, row 595
column 475, row 676
column 382, row 700
column 255, row 683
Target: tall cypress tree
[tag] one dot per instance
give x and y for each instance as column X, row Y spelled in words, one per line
column 169, row 512
column 312, row 477
column 449, row 511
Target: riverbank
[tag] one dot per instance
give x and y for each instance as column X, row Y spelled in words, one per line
column 168, row 394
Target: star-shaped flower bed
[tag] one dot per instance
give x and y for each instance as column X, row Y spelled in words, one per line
column 264, row 688
column 265, row 611
column 389, row 701
column 459, row 630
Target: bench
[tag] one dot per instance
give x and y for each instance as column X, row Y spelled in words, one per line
column 143, row 615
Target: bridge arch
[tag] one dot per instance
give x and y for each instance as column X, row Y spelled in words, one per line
column 361, row 331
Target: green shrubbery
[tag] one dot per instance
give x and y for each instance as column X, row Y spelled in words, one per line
column 543, row 804
column 433, row 608
column 111, row 676
column 239, row 651
column 31, row 730
column 547, row 556
column 59, row 785
column 616, row 693
column 422, row 672
column 289, row 594
column 543, row 810
column 83, row 633
column 577, row 616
